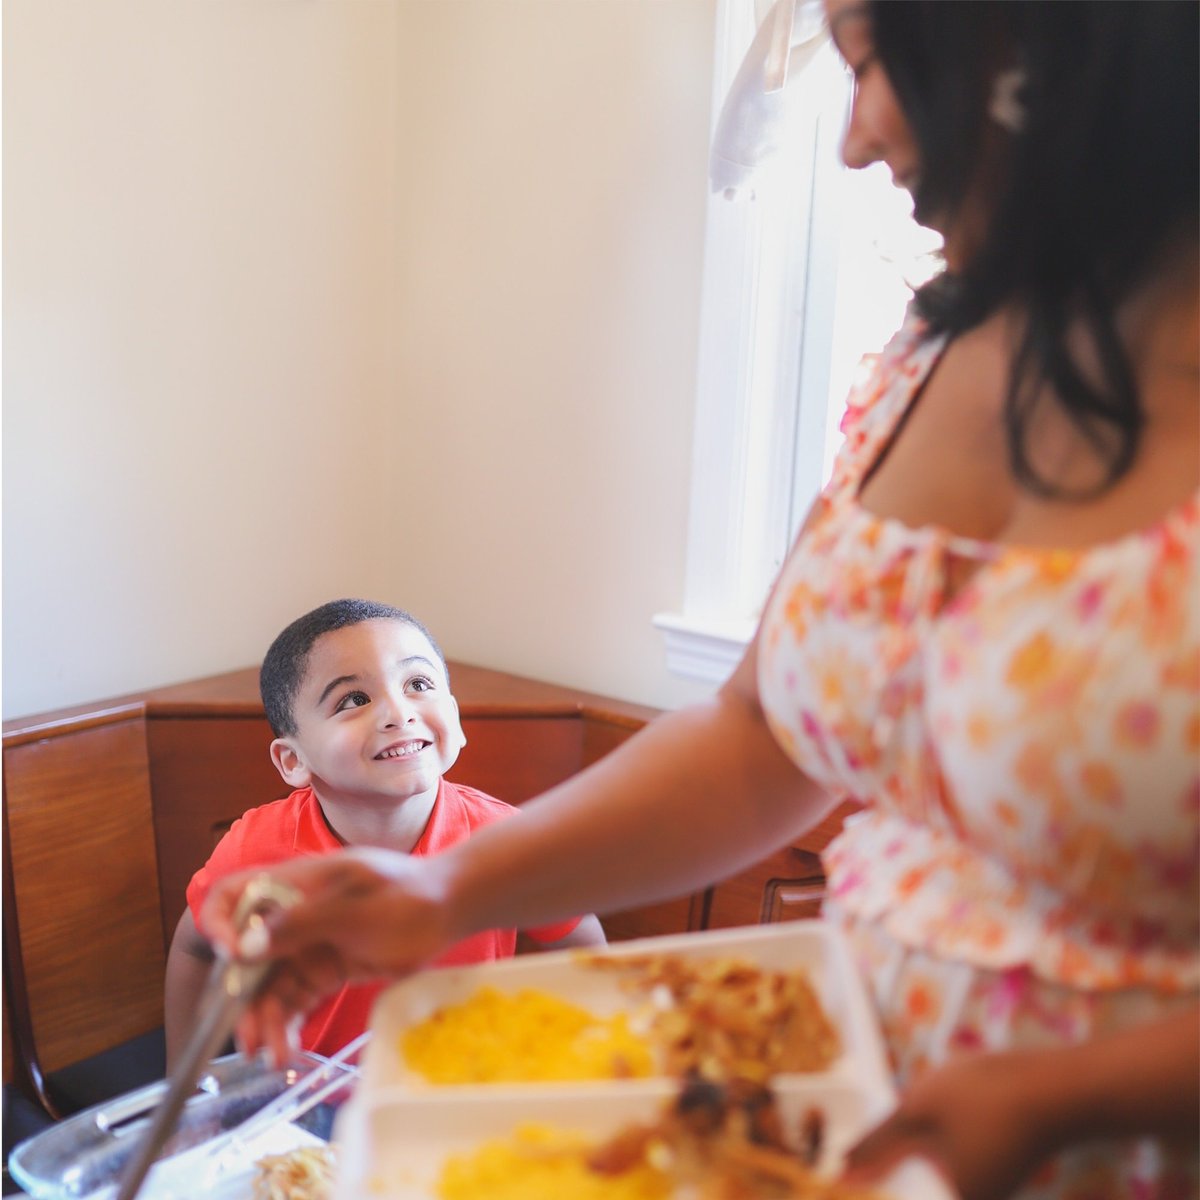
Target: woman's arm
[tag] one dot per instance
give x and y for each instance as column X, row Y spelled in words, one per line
column 588, row 934
column 694, row 797
column 989, row 1119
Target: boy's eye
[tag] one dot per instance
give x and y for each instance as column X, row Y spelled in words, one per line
column 421, row 684
column 352, row 700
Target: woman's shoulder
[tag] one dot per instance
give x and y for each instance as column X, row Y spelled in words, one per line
column 884, row 385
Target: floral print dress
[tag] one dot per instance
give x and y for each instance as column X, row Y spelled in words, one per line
column 1023, row 728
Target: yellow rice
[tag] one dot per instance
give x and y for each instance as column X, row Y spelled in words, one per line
column 540, row 1163
column 528, row 1036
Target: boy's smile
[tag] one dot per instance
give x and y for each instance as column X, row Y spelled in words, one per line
column 375, row 717
column 403, row 750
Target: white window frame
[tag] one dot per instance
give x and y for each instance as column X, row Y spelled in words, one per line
column 760, row 436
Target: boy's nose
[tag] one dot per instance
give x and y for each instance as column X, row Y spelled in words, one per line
column 396, row 710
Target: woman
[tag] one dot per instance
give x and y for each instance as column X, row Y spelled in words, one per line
column 987, row 632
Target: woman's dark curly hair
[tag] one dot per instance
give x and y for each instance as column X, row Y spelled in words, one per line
column 1101, row 178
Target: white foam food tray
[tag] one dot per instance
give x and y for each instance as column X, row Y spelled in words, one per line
column 396, row 1133
column 809, row 946
column 393, row 1145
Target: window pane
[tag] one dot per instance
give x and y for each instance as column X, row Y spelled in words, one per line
column 882, row 256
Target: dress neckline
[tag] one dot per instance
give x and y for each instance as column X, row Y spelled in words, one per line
column 877, row 447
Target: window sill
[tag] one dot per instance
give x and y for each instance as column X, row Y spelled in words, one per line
column 705, row 650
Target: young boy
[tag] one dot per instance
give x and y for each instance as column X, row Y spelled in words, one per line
column 358, row 697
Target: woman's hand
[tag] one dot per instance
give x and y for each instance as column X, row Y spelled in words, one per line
column 989, row 1120
column 363, row 914
column 978, row 1119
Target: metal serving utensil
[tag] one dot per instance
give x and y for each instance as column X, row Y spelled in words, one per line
column 230, row 987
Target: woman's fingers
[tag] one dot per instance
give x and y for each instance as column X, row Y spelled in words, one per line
column 888, row 1144
column 342, row 905
column 336, row 893
column 266, row 1026
column 361, row 915
column 353, row 925
column 291, row 990
column 973, row 1118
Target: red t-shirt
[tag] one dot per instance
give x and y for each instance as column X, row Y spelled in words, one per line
column 296, row 826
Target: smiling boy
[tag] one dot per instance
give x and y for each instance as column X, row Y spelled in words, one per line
column 358, row 696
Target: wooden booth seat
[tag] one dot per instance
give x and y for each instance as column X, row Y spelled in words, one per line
column 83, row 952
column 109, row 809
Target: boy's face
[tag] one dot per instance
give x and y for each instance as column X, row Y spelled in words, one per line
column 374, row 716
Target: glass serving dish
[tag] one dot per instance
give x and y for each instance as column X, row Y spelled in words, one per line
column 85, row 1154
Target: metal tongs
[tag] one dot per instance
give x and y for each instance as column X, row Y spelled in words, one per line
column 230, row 987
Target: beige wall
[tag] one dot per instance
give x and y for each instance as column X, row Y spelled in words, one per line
column 325, row 297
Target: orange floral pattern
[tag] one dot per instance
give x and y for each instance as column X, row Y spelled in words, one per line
column 1022, row 726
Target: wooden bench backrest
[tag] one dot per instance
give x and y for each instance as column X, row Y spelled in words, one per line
column 81, row 862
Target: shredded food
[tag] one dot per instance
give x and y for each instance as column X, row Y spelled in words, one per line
column 726, row 1018
column 715, row 1142
column 302, row 1174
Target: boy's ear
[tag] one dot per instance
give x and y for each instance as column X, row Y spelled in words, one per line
column 455, row 740
column 462, row 733
column 289, row 762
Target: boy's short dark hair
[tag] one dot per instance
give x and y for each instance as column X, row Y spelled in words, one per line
column 286, row 661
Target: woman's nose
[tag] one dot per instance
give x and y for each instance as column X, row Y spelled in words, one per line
column 857, row 150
